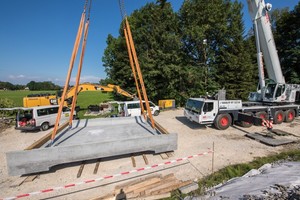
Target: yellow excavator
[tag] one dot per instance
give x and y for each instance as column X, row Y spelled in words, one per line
column 52, row 99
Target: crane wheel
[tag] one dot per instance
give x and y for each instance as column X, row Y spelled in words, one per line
column 289, row 115
column 279, row 117
column 223, row 121
column 262, row 115
column 246, row 124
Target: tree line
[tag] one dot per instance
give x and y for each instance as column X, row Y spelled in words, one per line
column 198, row 50
column 32, row 85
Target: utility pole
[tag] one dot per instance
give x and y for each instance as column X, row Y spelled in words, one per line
column 204, row 44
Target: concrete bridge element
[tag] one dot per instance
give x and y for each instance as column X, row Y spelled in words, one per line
column 92, row 139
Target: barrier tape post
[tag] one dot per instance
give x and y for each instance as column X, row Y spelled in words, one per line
column 213, row 158
column 106, row 177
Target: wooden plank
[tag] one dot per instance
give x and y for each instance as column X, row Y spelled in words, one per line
column 170, row 154
column 133, row 161
column 18, row 182
column 31, row 178
column 160, row 128
column 171, row 180
column 164, row 180
column 164, row 156
column 145, row 159
column 171, row 187
column 160, row 187
column 24, row 179
column 106, row 197
column 97, row 166
column 159, row 196
column 126, row 184
column 80, row 170
column 142, row 184
column 152, row 197
column 46, row 138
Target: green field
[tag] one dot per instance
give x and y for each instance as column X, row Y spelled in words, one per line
column 84, row 98
column 17, row 95
column 91, row 98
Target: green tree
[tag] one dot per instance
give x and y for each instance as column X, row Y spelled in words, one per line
column 201, row 21
column 287, row 37
column 225, row 61
column 46, row 85
column 235, row 69
column 155, row 33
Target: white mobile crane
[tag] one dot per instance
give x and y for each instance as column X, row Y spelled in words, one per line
column 276, row 91
column 274, row 99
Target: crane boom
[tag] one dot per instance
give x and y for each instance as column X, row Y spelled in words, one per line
column 265, row 40
column 276, row 91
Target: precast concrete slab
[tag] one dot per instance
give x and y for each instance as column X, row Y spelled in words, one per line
column 92, row 139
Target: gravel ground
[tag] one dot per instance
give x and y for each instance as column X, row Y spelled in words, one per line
column 231, row 147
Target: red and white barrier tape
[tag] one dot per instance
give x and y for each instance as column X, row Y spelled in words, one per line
column 267, row 123
column 105, row 177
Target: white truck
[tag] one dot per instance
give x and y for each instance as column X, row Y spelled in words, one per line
column 223, row 113
column 276, row 99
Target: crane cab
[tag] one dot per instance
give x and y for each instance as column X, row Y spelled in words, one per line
column 281, row 93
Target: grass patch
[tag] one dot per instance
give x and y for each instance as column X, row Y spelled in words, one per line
column 84, row 98
column 17, row 95
column 91, row 98
column 238, row 170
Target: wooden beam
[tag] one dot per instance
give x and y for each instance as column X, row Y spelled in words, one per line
column 97, row 166
column 170, row 188
column 145, row 159
column 80, row 170
column 133, row 161
column 46, row 138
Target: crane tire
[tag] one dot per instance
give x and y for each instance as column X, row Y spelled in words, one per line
column 262, row 115
column 289, row 115
column 223, row 121
column 279, row 117
column 246, row 124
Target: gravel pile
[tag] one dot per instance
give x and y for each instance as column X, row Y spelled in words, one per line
column 277, row 192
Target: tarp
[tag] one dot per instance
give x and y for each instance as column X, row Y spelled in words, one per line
column 264, row 182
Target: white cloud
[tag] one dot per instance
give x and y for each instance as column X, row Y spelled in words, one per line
column 86, row 78
column 24, row 79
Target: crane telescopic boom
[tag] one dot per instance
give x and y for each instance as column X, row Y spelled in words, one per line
column 276, row 90
column 264, row 38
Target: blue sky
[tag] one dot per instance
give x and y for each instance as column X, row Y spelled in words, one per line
column 37, row 36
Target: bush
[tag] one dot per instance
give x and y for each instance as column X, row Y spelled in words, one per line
column 6, row 103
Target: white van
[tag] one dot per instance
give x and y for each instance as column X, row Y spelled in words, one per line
column 40, row 117
column 132, row 108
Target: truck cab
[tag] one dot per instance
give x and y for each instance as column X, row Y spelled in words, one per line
column 201, row 110
column 221, row 113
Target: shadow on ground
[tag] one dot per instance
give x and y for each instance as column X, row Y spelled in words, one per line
column 192, row 125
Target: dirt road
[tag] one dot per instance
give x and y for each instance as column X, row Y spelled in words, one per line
column 231, row 147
